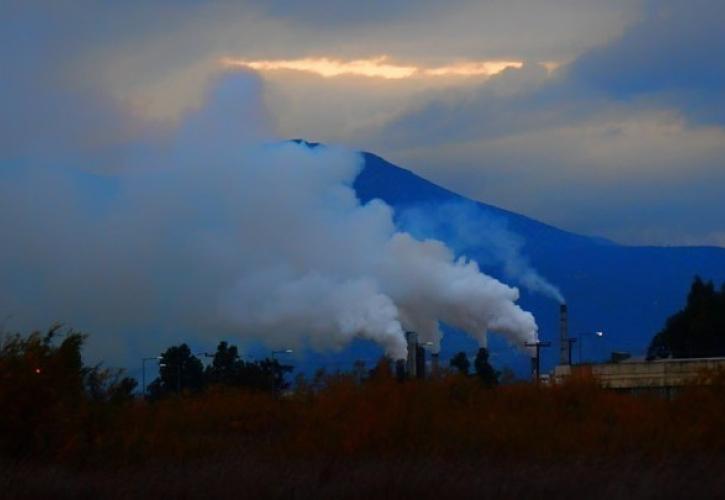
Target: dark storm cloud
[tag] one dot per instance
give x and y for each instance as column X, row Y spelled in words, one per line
column 676, row 55
column 673, row 58
column 634, row 116
column 346, row 14
column 625, row 141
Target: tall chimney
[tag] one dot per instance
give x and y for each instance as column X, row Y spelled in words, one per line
column 564, row 344
column 420, row 362
column 411, row 365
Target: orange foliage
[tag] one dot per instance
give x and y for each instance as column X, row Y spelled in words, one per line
column 451, row 416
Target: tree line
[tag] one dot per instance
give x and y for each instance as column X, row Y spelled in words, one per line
column 181, row 371
column 697, row 330
column 55, row 404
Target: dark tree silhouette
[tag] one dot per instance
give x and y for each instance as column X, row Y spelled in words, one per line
column 106, row 385
column 698, row 330
column 269, row 374
column 461, row 363
column 47, row 393
column 179, row 371
column 484, row 370
column 123, row 389
column 228, row 368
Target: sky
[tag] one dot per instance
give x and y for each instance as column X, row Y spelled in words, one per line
column 604, row 118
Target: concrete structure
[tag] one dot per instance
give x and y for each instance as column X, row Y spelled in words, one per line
column 420, row 362
column 662, row 376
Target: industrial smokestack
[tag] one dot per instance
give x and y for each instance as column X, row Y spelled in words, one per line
column 420, row 362
column 411, row 366
column 564, row 345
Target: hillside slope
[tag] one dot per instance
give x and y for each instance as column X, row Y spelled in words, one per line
column 626, row 291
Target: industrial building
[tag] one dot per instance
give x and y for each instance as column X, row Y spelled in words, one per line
column 660, row 376
column 633, row 375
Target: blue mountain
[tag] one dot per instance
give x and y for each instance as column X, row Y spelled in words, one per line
column 625, row 291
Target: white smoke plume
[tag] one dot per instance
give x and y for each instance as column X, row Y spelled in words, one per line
column 429, row 286
column 467, row 228
column 208, row 231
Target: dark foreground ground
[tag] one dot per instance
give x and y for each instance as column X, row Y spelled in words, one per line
column 240, row 476
column 450, row 437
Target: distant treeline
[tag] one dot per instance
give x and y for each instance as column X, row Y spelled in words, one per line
column 181, row 371
column 54, row 407
column 57, row 409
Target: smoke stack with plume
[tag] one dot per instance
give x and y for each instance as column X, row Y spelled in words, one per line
column 208, row 232
column 411, row 366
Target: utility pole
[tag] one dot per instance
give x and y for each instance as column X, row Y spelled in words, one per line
column 570, row 340
column 537, row 360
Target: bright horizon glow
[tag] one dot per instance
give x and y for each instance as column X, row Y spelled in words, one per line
column 477, row 68
column 375, row 67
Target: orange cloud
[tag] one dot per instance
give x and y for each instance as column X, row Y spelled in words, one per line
column 328, row 68
column 477, row 68
column 376, row 67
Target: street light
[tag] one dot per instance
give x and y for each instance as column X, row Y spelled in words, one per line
column 598, row 334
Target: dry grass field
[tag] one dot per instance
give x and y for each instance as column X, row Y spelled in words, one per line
column 381, row 439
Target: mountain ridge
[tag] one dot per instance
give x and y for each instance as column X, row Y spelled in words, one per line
column 627, row 291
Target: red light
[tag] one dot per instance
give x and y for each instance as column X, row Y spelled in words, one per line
column 37, row 370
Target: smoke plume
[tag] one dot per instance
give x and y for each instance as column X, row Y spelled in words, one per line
column 206, row 230
column 469, row 229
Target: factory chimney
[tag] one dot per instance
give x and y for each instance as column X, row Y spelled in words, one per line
column 420, row 362
column 564, row 344
column 411, row 365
